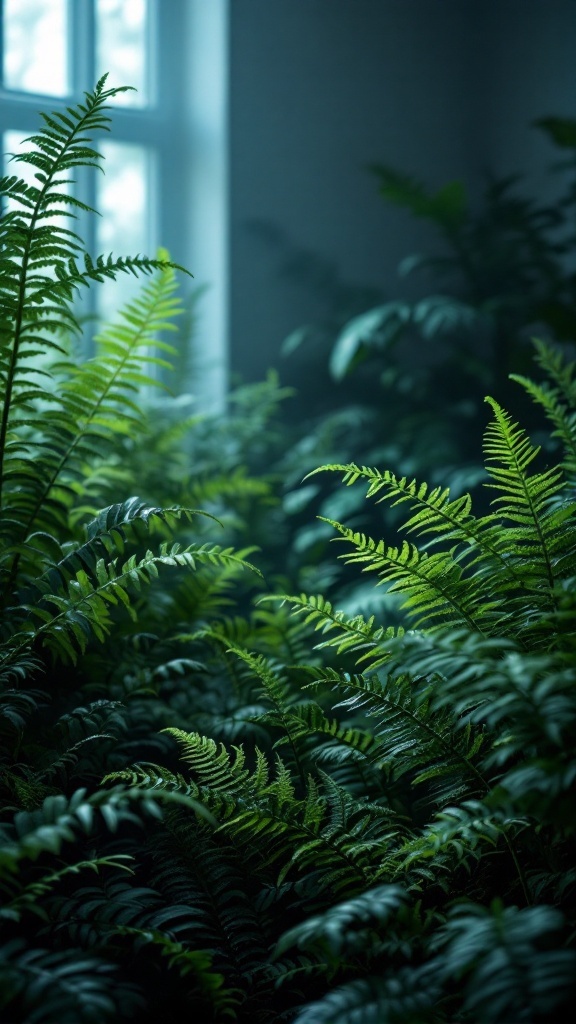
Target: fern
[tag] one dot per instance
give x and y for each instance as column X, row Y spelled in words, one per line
column 557, row 397
column 339, row 930
column 66, row 986
column 354, row 635
column 26, row 899
column 280, row 834
column 40, row 272
column 405, row 996
column 509, row 973
column 449, row 587
column 186, row 962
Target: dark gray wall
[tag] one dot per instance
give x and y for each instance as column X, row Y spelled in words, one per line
column 530, row 72
column 321, row 88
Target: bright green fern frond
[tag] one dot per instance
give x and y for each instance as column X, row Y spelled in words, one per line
column 94, row 402
column 34, row 300
column 433, row 585
column 557, row 397
column 355, row 635
column 216, row 768
column 526, row 500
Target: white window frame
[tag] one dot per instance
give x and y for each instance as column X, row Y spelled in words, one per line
column 185, row 127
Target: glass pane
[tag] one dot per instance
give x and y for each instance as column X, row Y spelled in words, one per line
column 121, row 50
column 125, row 227
column 36, row 46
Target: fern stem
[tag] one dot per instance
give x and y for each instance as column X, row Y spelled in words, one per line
column 10, row 378
column 91, row 103
column 519, row 870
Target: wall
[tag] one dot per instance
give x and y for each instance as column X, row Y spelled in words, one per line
column 321, row 88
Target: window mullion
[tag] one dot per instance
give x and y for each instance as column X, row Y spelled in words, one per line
column 81, row 46
column 81, row 64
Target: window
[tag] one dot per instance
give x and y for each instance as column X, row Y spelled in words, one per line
column 165, row 180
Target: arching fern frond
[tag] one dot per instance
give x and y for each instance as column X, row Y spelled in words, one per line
column 414, row 739
column 525, row 499
column 432, row 585
column 463, row 833
column 406, row 995
column 65, row 620
column 486, row 568
column 338, row 931
column 356, row 635
column 39, row 272
column 503, row 955
column 218, row 770
column 26, row 898
column 92, row 403
column 557, row 397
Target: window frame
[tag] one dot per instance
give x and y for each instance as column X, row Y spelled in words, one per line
column 185, row 127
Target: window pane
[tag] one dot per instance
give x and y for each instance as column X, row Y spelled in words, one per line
column 125, row 227
column 121, row 50
column 35, row 46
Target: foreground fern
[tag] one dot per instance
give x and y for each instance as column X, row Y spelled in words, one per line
column 411, row 816
column 72, row 581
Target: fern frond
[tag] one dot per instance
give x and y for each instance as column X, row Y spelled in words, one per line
column 56, row 822
column 95, row 401
column 433, row 585
column 406, row 995
column 27, row 897
column 338, row 929
column 557, row 397
column 511, row 959
column 327, row 835
column 64, row 985
column 525, row 499
column 433, row 513
column 493, row 682
column 463, row 832
column 193, row 964
column 28, row 245
column 354, row 635
column 414, row 737
column 66, row 621
column 218, row 770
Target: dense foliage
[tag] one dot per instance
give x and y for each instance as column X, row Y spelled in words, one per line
column 285, row 813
